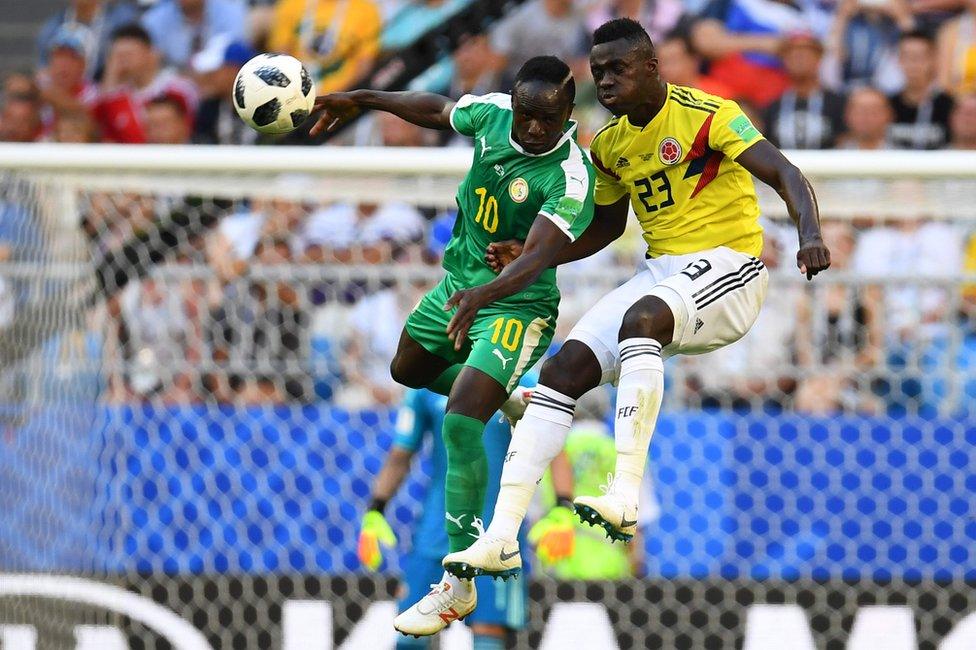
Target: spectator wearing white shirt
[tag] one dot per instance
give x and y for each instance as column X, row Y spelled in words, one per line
column 364, row 233
column 934, row 250
column 181, row 28
column 232, row 246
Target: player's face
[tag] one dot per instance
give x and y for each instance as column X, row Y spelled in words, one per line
column 539, row 113
column 623, row 73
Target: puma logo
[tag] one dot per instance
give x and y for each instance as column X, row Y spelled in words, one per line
column 457, row 521
column 505, row 557
column 484, row 146
column 503, row 359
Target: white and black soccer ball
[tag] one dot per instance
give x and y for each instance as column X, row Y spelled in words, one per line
column 273, row 93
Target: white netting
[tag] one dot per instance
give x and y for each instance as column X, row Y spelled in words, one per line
column 193, row 382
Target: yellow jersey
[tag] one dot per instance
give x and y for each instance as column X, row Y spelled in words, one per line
column 337, row 39
column 688, row 192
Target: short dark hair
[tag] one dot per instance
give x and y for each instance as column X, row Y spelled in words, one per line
column 549, row 69
column 917, row 35
column 627, row 29
column 134, row 31
column 173, row 101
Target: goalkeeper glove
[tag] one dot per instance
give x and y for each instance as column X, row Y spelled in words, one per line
column 554, row 535
column 374, row 533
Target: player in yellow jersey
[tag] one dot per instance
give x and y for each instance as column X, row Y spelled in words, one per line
column 684, row 160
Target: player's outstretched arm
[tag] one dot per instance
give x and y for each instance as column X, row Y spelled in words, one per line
column 769, row 165
column 423, row 109
column 543, row 243
column 609, row 222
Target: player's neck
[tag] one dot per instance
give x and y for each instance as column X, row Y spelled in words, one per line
column 644, row 113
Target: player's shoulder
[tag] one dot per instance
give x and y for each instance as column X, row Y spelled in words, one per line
column 695, row 99
column 606, row 134
column 606, row 140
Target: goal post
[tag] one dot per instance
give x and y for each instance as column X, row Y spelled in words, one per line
column 195, row 400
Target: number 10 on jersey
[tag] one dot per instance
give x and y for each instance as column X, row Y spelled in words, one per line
column 487, row 210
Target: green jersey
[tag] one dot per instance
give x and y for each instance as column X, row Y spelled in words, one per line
column 507, row 188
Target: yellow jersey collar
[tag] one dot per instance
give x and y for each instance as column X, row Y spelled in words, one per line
column 654, row 120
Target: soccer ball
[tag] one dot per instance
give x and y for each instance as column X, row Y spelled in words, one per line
column 273, row 93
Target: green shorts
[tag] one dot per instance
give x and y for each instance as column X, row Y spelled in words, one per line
column 504, row 341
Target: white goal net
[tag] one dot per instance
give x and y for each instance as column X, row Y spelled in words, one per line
column 195, row 400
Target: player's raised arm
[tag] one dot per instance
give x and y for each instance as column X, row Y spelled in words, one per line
column 423, row 109
column 769, row 165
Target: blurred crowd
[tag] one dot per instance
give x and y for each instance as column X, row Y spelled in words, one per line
column 815, row 74
column 287, row 300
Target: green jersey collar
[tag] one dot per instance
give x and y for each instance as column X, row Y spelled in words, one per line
column 567, row 134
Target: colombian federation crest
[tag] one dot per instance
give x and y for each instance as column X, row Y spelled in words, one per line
column 669, row 151
column 518, row 190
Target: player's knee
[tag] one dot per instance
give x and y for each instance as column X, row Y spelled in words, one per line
column 650, row 317
column 565, row 373
column 401, row 374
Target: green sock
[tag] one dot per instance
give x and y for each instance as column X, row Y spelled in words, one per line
column 442, row 385
column 467, row 478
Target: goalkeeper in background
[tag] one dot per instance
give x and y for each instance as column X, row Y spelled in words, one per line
column 591, row 454
column 502, row 605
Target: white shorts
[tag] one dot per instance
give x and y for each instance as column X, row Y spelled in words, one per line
column 715, row 296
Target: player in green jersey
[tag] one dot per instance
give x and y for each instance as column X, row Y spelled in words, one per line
column 475, row 334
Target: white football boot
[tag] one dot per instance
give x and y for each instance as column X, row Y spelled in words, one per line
column 442, row 606
column 610, row 511
column 488, row 556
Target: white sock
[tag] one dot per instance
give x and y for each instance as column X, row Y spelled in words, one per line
column 639, row 393
column 459, row 585
column 537, row 438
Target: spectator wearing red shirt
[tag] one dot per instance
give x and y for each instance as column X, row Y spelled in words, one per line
column 741, row 39
column 133, row 77
column 680, row 64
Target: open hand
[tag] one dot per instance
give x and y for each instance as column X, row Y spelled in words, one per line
column 374, row 534
column 338, row 108
column 500, row 254
column 554, row 535
column 813, row 257
column 468, row 302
